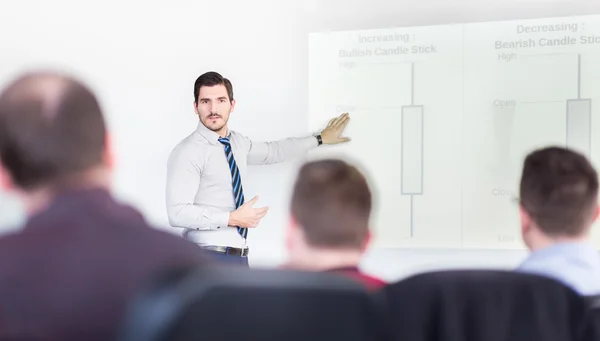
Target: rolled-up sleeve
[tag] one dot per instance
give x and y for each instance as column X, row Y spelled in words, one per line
column 264, row 153
column 184, row 171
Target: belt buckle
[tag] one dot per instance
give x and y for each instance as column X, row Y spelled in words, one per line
column 244, row 251
column 237, row 251
column 233, row 251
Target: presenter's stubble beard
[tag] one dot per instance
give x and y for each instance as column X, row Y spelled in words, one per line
column 215, row 121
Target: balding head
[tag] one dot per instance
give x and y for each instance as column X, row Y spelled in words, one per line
column 51, row 128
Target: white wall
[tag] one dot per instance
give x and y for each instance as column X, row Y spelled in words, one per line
column 142, row 58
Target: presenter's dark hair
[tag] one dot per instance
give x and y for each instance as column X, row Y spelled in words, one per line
column 51, row 129
column 212, row 78
column 332, row 202
column 559, row 190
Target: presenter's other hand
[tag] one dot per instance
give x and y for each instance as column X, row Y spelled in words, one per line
column 332, row 133
column 246, row 215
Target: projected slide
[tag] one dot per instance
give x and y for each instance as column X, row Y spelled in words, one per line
column 442, row 117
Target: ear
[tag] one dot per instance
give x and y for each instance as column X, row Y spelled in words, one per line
column 6, row 182
column 596, row 214
column 291, row 230
column 232, row 105
column 195, row 108
column 109, row 154
column 525, row 220
column 368, row 239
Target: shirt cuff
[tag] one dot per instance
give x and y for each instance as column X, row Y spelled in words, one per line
column 220, row 220
column 311, row 142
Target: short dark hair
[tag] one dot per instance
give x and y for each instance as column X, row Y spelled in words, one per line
column 559, row 189
column 212, row 78
column 332, row 204
column 51, row 127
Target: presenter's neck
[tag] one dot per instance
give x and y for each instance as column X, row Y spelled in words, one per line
column 223, row 132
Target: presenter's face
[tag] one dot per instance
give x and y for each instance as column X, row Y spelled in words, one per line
column 213, row 108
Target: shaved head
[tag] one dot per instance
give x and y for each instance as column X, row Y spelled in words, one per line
column 51, row 128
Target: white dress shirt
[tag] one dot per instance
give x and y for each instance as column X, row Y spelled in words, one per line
column 199, row 189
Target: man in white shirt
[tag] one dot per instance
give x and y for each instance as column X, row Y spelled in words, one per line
column 559, row 204
column 206, row 171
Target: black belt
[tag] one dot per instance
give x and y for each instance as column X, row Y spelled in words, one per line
column 227, row 250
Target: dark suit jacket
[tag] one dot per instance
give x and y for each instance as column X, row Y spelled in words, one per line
column 69, row 273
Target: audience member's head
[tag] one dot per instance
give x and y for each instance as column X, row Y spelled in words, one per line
column 52, row 137
column 330, row 216
column 558, row 197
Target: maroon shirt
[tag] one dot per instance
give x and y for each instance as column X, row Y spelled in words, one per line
column 69, row 273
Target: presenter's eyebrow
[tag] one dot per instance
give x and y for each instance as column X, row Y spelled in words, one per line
column 208, row 99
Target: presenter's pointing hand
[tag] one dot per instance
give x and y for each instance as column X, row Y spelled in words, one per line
column 246, row 215
column 332, row 133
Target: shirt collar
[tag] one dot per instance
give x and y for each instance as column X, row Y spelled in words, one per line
column 568, row 246
column 209, row 135
column 577, row 250
column 344, row 269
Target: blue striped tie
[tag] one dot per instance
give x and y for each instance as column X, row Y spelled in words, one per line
column 238, row 192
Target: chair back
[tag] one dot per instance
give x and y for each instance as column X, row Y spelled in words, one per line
column 249, row 304
column 482, row 305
